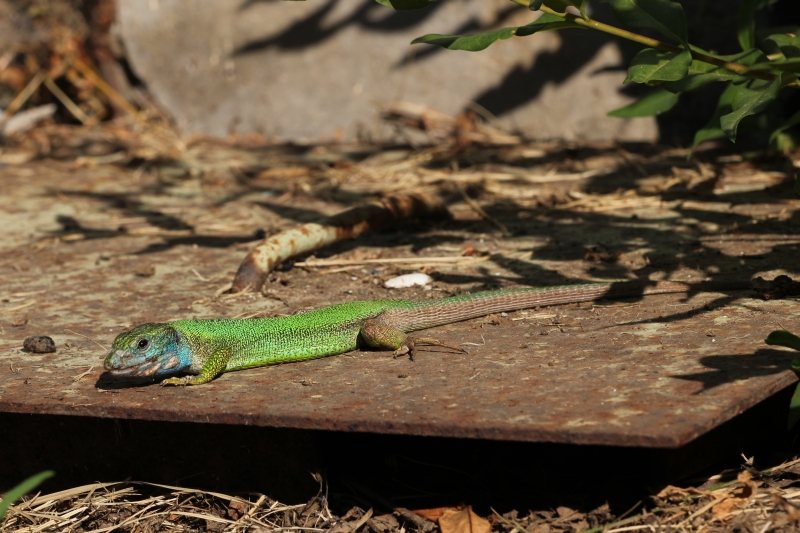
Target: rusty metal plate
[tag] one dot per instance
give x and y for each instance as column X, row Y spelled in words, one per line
column 654, row 372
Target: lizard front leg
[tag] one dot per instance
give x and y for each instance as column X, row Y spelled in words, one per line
column 211, row 369
column 379, row 335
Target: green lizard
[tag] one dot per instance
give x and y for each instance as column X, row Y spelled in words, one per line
column 207, row 348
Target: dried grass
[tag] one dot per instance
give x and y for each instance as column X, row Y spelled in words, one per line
column 137, row 506
column 754, row 501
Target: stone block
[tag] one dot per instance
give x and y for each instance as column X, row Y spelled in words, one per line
column 322, row 70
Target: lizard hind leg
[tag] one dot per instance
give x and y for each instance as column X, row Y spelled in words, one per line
column 379, row 335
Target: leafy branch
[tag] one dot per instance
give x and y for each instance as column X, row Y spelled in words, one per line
column 754, row 77
column 789, row 340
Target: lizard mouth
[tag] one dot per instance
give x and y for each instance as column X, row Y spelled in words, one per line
column 146, row 368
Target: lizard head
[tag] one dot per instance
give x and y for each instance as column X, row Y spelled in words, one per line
column 148, row 350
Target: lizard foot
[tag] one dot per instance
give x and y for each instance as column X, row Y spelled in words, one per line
column 410, row 346
column 178, row 382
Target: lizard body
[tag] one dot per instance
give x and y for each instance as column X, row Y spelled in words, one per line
column 208, row 347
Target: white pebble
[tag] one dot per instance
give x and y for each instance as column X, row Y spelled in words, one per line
column 408, row 280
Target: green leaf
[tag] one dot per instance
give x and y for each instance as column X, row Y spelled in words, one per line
column 747, row 24
column 784, row 338
column 697, row 78
column 789, row 340
column 544, row 23
column 652, row 65
column 794, row 120
column 664, row 16
column 712, row 131
column 654, row 103
column 788, row 44
column 22, row 489
column 784, row 65
column 480, row 41
column 794, row 407
column 559, row 6
column 748, row 99
column 402, row 5
column 702, row 73
column 472, row 43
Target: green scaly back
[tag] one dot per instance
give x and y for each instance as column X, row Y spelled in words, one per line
column 264, row 341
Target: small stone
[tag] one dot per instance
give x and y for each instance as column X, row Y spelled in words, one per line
column 145, row 271
column 40, row 344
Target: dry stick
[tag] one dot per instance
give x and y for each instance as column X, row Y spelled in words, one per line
column 23, row 95
column 107, row 90
column 362, row 520
column 308, row 237
column 87, row 337
column 478, row 209
column 81, row 375
column 390, row 260
column 17, row 308
column 119, row 100
column 73, row 108
column 508, row 523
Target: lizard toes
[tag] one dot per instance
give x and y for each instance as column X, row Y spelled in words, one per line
column 404, row 349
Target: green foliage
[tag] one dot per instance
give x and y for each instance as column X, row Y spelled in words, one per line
column 651, row 65
column 480, row 41
column 787, row 44
column 712, row 130
column 22, row 489
column 654, row 103
column 663, row 16
column 768, row 63
column 748, row 99
column 785, row 65
column 747, row 24
column 789, row 340
column 786, row 339
column 701, row 73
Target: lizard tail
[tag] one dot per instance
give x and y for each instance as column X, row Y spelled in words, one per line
column 424, row 314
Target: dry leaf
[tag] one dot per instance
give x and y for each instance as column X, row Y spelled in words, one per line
column 738, row 500
column 565, row 512
column 491, row 319
column 724, row 508
column 434, row 513
column 463, row 521
column 385, row 523
column 676, row 494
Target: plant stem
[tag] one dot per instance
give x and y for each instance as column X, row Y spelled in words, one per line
column 653, row 43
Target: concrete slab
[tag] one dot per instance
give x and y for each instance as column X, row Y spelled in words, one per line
column 323, row 70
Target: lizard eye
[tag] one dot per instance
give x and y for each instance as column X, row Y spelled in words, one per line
column 143, row 344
